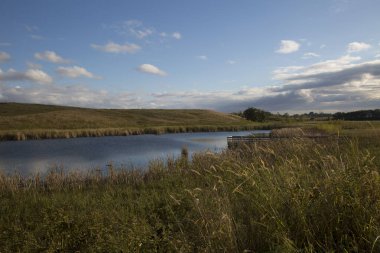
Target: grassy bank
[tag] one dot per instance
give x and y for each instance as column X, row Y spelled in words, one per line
column 284, row 196
column 31, row 121
column 74, row 133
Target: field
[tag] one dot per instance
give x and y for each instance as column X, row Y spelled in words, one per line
column 294, row 195
column 30, row 121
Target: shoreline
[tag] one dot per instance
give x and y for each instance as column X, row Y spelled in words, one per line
column 298, row 190
column 39, row 134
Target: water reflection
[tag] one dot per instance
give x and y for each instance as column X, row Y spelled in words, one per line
column 87, row 153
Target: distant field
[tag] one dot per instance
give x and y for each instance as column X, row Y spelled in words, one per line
column 31, row 121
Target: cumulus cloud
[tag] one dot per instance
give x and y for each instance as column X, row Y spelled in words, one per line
column 4, row 57
column 151, row 69
column 177, row 35
column 33, row 75
column 320, row 67
column 354, row 47
column 355, row 73
column 115, row 48
column 75, row 72
column 231, row 62
column 50, row 56
column 339, row 84
column 343, row 84
column 346, row 83
column 73, row 95
column 288, row 46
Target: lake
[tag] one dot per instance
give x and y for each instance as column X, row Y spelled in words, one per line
column 28, row 157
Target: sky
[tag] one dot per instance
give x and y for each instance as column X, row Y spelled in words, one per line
column 227, row 55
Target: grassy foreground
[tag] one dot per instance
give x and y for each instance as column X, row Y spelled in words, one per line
column 298, row 195
column 32, row 121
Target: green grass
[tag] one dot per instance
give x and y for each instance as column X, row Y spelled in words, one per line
column 282, row 196
column 31, row 121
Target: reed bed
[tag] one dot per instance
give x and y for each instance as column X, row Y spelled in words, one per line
column 20, row 135
column 298, row 195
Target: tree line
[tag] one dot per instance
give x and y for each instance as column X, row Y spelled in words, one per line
column 259, row 115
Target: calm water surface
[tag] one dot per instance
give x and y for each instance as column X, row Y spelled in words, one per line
column 34, row 156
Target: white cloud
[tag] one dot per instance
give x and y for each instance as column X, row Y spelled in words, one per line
column 310, row 55
column 4, row 57
column 115, row 48
column 75, row 72
column 177, row 35
column 38, row 76
column 231, row 62
column 202, row 57
column 151, row 69
column 33, row 75
column 345, row 83
column 50, row 56
column 338, row 83
column 288, row 46
column 357, row 47
column 323, row 46
column 317, row 68
column 73, row 95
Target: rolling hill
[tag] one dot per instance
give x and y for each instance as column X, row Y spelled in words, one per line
column 34, row 121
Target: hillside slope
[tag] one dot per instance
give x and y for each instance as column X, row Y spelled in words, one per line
column 29, row 119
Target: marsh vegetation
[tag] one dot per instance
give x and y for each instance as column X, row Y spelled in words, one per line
column 286, row 196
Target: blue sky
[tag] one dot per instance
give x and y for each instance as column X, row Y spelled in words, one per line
column 282, row 56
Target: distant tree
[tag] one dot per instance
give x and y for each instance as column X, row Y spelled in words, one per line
column 255, row 114
column 358, row 115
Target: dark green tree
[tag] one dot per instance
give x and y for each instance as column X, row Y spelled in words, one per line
column 255, row 114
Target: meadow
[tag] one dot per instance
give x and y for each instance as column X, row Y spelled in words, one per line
column 32, row 121
column 293, row 195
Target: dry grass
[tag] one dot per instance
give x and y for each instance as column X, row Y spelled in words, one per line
column 27, row 121
column 298, row 195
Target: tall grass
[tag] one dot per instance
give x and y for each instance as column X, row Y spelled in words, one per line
column 299, row 195
column 20, row 135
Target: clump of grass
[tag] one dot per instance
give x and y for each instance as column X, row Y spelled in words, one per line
column 287, row 132
column 294, row 195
